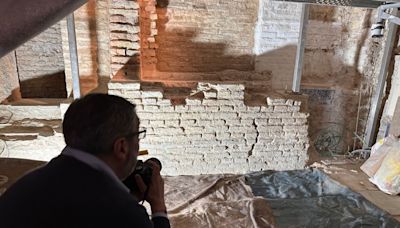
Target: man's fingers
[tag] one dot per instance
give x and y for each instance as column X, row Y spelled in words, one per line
column 140, row 183
column 154, row 165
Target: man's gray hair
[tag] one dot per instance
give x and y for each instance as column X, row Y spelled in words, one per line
column 94, row 122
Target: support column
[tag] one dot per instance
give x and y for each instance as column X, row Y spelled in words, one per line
column 298, row 70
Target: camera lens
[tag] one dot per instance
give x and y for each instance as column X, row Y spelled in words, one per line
column 156, row 161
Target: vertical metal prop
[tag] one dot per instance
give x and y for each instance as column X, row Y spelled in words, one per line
column 73, row 53
column 377, row 97
column 298, row 70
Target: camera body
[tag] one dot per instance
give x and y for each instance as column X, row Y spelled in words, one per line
column 145, row 170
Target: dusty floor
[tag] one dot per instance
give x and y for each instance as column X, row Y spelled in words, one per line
column 347, row 172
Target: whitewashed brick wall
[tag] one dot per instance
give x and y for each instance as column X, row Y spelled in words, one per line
column 219, row 133
column 276, row 36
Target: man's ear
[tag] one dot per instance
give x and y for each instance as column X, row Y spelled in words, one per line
column 121, row 148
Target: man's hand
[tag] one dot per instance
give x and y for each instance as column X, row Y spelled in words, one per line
column 155, row 190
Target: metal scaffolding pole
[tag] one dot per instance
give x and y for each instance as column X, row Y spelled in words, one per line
column 353, row 3
column 73, row 53
column 298, row 70
column 377, row 97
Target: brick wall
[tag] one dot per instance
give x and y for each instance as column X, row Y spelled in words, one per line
column 206, row 36
column 216, row 132
column 41, row 66
column 9, row 79
column 337, row 70
column 276, row 38
column 124, row 39
column 93, row 39
column 148, row 33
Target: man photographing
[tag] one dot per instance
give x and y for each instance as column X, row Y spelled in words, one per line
column 82, row 187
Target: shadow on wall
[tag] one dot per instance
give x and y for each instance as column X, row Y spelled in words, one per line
column 177, row 55
column 322, row 13
column 333, row 119
column 333, row 96
column 90, row 78
column 15, row 95
column 43, row 86
column 179, row 52
column 334, row 116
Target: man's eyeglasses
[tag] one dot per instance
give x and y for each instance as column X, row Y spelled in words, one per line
column 141, row 133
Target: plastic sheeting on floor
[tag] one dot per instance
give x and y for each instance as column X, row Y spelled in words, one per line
column 214, row 201
column 310, row 198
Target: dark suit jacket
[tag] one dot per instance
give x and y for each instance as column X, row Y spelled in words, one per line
column 69, row 193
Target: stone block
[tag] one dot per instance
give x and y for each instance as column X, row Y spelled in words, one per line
column 193, row 130
column 227, row 108
column 293, row 109
column 164, row 108
column 208, row 136
column 151, row 108
column 181, row 108
column 254, row 109
column 270, row 128
column 131, row 52
column 223, row 135
column 288, row 121
column 212, row 109
column 132, row 29
column 295, row 128
column 115, row 4
column 261, row 121
column 168, row 131
column 125, row 19
column 216, row 129
column 132, row 94
column 232, row 121
column 171, row 123
column 281, row 108
column 301, row 121
column 116, row 92
column 240, row 107
column 164, row 102
column 250, row 115
column 124, row 86
column 275, row 121
column 289, row 102
column 239, row 129
column 117, row 51
column 238, row 95
column 152, row 94
column 157, row 123
column 196, row 108
column 149, row 101
column 267, row 109
column 190, row 122
column 159, row 116
column 300, row 115
column 224, row 94
column 237, row 135
column 275, row 101
column 208, row 95
column 233, row 87
column 218, row 122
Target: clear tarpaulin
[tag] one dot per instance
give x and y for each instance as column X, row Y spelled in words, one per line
column 310, row 198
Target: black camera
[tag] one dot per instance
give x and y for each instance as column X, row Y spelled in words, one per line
column 145, row 170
